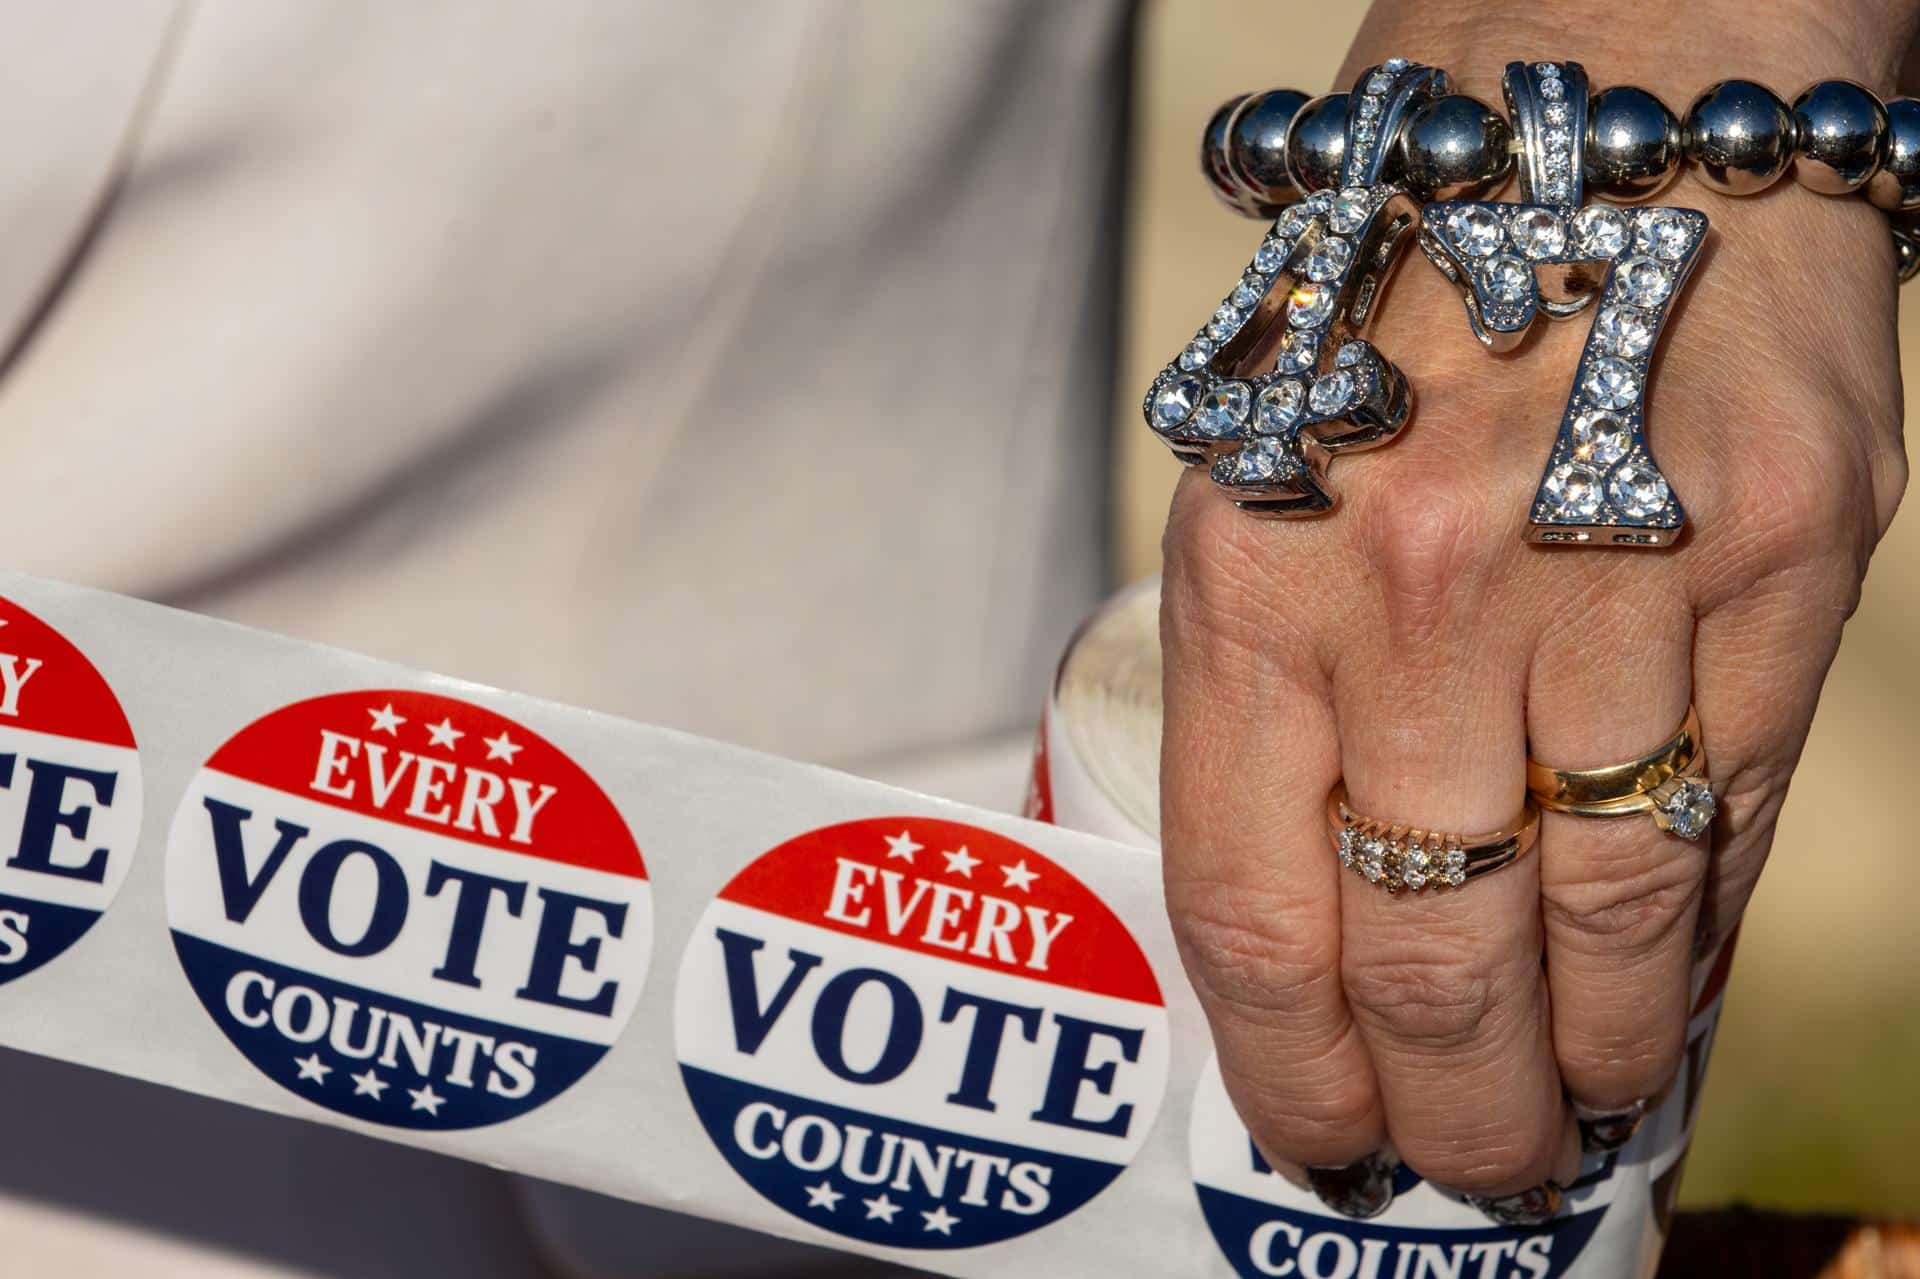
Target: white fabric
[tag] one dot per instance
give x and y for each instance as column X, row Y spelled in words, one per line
column 740, row 367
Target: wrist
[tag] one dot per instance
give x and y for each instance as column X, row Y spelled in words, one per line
column 1674, row 51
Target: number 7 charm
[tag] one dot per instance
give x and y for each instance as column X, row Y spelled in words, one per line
column 1513, row 261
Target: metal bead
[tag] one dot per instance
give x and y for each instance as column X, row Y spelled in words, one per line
column 1906, row 255
column 1317, row 143
column 1843, row 136
column 1215, row 165
column 1741, row 135
column 1257, row 145
column 1897, row 185
column 1455, row 147
column 1634, row 144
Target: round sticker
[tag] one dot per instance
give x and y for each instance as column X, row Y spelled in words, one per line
column 1267, row 1225
column 407, row 908
column 919, row 1034
column 69, row 793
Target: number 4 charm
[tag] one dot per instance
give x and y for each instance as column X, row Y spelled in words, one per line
column 1513, row 261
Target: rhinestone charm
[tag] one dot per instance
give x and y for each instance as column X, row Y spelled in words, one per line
column 1280, row 379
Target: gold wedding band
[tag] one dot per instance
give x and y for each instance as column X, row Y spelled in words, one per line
column 1399, row 857
column 1669, row 783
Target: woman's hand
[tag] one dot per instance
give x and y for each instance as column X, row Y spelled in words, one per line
column 1413, row 644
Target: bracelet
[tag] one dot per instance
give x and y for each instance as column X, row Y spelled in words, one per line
column 1262, row 151
column 1282, row 380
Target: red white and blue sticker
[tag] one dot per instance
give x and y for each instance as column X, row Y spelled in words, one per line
column 919, row 1034
column 408, row 908
column 69, row 793
column 1266, row 1225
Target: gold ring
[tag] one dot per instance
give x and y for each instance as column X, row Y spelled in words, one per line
column 1396, row 856
column 1669, row 783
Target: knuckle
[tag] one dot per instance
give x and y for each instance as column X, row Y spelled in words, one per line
column 1424, row 537
column 1441, row 999
column 1214, row 618
column 1633, row 905
column 1306, row 1121
column 1254, row 954
column 1482, row 1160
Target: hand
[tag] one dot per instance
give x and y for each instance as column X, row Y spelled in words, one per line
column 1412, row 644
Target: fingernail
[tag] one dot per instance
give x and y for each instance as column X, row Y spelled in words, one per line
column 1604, row 1131
column 1363, row 1188
column 1528, row 1208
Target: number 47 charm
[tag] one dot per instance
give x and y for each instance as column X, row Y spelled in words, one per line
column 1545, row 253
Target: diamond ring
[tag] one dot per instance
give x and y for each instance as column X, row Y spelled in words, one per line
column 1398, row 857
column 1670, row 782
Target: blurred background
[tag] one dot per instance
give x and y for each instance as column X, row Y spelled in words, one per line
column 1809, row 1102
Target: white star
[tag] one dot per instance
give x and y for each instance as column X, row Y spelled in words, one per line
column 311, row 1067
column 385, row 721
column 882, row 1208
column 1018, row 876
column 823, row 1196
column 369, row 1085
column 502, row 747
column 961, row 862
column 940, row 1219
column 426, row 1099
column 903, row 847
column 443, row 734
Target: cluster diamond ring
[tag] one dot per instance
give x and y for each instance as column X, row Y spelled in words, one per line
column 1669, row 782
column 1402, row 858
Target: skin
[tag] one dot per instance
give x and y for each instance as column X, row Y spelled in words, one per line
column 1413, row 644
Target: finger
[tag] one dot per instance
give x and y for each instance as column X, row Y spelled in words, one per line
column 1758, row 665
column 1619, row 897
column 1446, row 985
column 1247, row 759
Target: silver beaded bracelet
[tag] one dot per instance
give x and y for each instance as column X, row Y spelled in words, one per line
column 1282, row 380
column 1263, row 151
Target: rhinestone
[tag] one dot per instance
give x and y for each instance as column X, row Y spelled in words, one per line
column 1223, row 410
column 1690, row 809
column 1474, row 230
column 1395, row 65
column 1666, row 233
column 1557, row 113
column 1602, row 231
column 1369, row 107
column 1364, row 131
column 1557, row 162
column 1645, row 282
column 1624, row 331
column 1328, row 259
column 1559, row 139
column 1556, row 191
column 1225, row 323
column 1574, row 491
column 1310, row 305
column 1350, row 355
column 1331, row 393
column 1298, row 350
column 1456, row 877
column 1349, row 210
column 1506, row 279
column 1293, row 221
column 1271, row 256
column 1600, row 438
column 1415, row 880
column 1174, row 402
column 1347, row 842
column 1198, row 352
column 1379, row 82
column 1456, row 861
column 1546, row 70
column 1611, row 383
column 1278, row 407
column 1537, row 233
column 1414, row 867
column 1373, row 870
column 1262, row 462
column 1638, row 490
column 1552, row 90
column 1319, row 202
